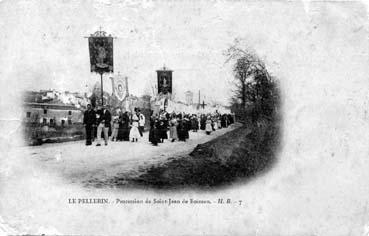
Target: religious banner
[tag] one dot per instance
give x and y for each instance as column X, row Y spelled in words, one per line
column 164, row 81
column 101, row 54
column 120, row 88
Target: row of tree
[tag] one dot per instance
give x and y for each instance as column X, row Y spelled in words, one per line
column 255, row 91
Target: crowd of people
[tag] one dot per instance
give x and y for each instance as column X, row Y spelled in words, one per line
column 179, row 125
column 126, row 126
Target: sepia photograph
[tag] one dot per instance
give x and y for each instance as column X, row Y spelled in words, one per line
column 183, row 117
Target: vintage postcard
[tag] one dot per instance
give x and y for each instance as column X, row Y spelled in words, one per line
column 183, row 117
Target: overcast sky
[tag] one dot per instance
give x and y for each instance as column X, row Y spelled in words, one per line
column 43, row 44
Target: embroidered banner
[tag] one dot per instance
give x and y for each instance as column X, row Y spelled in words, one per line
column 120, row 88
column 164, row 81
column 101, row 54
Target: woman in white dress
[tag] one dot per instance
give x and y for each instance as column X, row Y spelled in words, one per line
column 173, row 134
column 208, row 127
column 134, row 134
column 215, row 124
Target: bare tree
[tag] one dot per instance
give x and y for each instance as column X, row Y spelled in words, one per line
column 253, row 86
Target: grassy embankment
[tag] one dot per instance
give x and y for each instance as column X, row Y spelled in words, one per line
column 237, row 155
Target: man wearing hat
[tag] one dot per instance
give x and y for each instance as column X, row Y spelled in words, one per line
column 103, row 124
column 89, row 120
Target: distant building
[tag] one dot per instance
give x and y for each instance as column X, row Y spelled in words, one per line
column 189, row 98
column 51, row 114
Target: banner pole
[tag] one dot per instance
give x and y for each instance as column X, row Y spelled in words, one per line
column 127, row 91
column 102, row 90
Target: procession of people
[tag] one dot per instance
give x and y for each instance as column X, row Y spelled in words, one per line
column 130, row 126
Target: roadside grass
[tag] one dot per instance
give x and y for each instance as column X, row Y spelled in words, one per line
column 236, row 155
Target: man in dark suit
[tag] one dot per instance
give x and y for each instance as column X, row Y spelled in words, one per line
column 103, row 124
column 89, row 120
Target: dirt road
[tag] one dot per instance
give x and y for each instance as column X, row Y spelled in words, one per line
column 82, row 164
